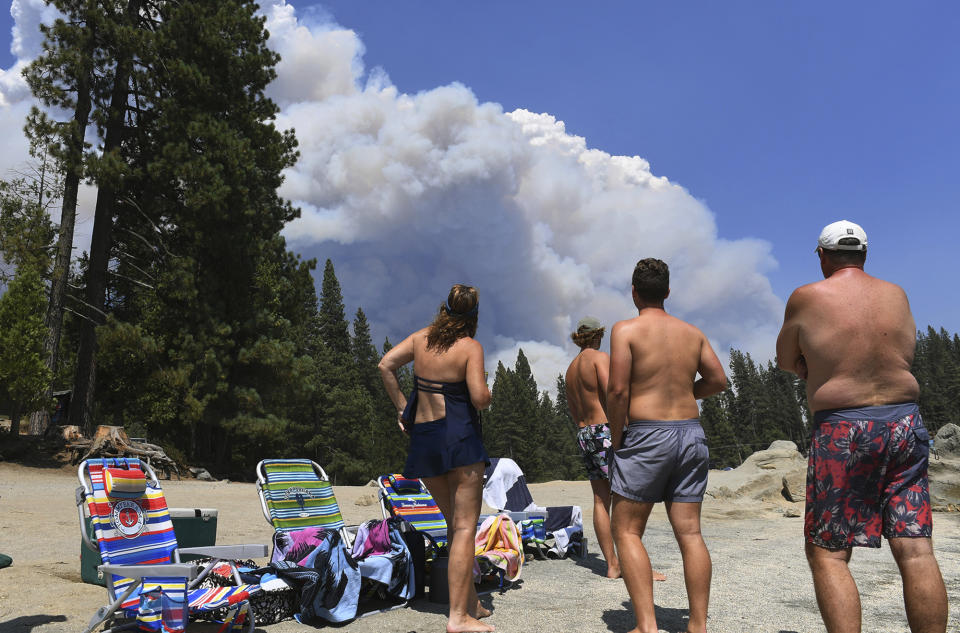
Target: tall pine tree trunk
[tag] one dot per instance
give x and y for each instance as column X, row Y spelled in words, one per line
column 40, row 420
column 85, row 379
column 15, row 421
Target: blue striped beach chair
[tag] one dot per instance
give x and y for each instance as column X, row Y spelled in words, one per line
column 410, row 499
column 145, row 579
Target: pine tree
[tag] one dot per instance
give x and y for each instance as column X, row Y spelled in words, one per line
column 333, row 323
column 63, row 77
column 23, row 372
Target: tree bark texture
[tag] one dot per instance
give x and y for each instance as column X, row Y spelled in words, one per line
column 107, row 187
column 40, row 420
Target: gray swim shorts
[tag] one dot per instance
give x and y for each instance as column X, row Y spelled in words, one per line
column 661, row 460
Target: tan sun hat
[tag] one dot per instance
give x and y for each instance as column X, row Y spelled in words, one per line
column 589, row 323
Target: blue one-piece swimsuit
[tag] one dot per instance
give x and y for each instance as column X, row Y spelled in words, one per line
column 454, row 440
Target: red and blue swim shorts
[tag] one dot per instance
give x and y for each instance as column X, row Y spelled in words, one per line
column 867, row 476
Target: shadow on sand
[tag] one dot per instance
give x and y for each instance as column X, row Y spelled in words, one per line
column 28, row 622
column 622, row 620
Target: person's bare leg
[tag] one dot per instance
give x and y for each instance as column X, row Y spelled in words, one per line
column 601, row 525
column 837, row 594
column 440, row 489
column 697, row 568
column 463, row 504
column 629, row 520
column 924, row 594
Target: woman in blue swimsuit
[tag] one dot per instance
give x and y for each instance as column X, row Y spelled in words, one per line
column 446, row 447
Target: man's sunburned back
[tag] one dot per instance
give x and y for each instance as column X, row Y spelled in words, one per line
column 584, row 391
column 858, row 338
column 666, row 355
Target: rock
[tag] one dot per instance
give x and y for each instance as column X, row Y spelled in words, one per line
column 794, row 487
column 791, row 513
column 366, row 500
column 947, row 441
column 782, row 444
column 773, row 459
column 202, row 474
column 373, row 484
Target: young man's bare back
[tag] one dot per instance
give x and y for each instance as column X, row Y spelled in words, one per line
column 586, row 391
column 852, row 337
column 662, row 455
column 586, row 382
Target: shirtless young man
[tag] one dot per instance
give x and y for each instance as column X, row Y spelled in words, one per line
column 662, row 455
column 852, row 337
column 586, row 382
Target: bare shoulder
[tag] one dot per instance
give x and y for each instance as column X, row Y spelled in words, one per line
column 595, row 356
column 805, row 295
column 623, row 326
column 470, row 345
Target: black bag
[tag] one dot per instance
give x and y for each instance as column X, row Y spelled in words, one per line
column 416, row 543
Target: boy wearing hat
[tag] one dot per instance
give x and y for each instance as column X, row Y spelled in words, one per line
column 586, row 382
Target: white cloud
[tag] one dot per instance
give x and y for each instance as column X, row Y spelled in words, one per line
column 410, row 193
column 16, row 99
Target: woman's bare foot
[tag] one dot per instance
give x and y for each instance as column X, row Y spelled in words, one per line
column 481, row 611
column 657, row 576
column 613, row 572
column 466, row 624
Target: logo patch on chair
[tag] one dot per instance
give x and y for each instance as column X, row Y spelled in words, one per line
column 299, row 494
column 128, row 518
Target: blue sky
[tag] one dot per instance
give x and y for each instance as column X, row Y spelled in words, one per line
column 782, row 117
column 778, row 117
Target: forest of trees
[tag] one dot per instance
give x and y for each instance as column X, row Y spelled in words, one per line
column 190, row 323
column 765, row 403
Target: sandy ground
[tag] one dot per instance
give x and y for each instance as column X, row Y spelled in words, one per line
column 760, row 583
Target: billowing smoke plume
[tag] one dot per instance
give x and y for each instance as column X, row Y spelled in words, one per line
column 408, row 194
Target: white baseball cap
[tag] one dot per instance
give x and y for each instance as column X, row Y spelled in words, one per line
column 831, row 235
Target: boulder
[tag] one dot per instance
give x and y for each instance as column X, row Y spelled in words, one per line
column 366, row 500
column 202, row 474
column 782, row 444
column 947, row 441
column 794, row 486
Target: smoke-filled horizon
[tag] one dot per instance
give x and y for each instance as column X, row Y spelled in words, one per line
column 410, row 193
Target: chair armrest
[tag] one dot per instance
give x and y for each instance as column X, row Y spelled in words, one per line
column 523, row 516
column 177, row 570
column 227, row 551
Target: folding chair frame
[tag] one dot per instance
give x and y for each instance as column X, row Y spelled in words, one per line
column 188, row 571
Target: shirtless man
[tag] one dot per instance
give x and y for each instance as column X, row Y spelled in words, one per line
column 586, row 382
column 662, row 455
column 852, row 337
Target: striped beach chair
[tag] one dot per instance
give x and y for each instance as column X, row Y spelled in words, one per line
column 410, row 499
column 296, row 494
column 146, row 583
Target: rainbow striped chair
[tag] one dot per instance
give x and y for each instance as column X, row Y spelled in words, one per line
column 146, row 582
column 410, row 499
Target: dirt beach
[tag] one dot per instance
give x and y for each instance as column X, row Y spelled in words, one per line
column 761, row 582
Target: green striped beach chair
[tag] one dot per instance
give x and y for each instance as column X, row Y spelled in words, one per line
column 296, row 494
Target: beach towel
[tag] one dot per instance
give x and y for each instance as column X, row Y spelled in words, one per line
column 328, row 582
column 498, row 541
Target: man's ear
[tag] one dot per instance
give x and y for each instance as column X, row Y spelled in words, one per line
column 668, row 294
